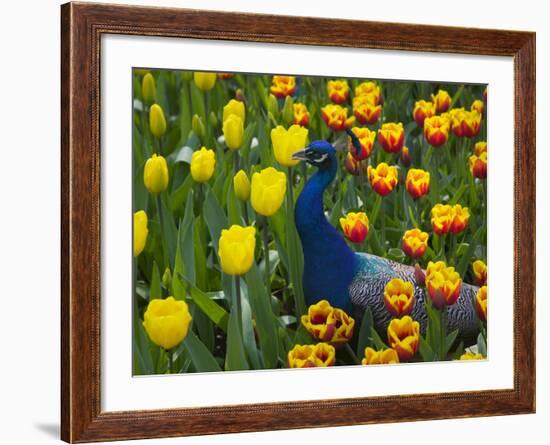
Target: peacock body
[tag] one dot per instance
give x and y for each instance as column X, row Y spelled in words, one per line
column 350, row 280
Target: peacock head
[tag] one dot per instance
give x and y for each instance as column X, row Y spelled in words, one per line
column 320, row 154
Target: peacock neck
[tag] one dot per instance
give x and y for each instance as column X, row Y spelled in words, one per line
column 329, row 264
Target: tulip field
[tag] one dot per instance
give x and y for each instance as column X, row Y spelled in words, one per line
column 222, row 236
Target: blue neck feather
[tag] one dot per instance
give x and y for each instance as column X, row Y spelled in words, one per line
column 329, row 264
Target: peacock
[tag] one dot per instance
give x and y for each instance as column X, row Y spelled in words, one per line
column 350, row 280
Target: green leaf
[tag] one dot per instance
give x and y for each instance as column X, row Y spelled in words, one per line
column 169, row 230
column 451, row 339
column 266, row 323
column 376, row 340
column 249, row 339
column 428, row 355
column 201, row 358
column 155, row 291
column 215, row 218
column 364, row 332
column 235, row 358
column 481, row 345
column 466, row 258
column 233, row 208
column 209, row 307
column 179, row 196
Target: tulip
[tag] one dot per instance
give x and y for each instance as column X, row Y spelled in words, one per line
column 235, row 107
column 301, row 115
column 272, row 105
column 283, row 86
column 422, row 110
column 383, row 357
column 203, row 162
column 225, row 76
column 198, row 126
column 404, row 336
column 479, row 269
column 311, row 356
column 204, row 81
column 336, row 117
column 155, row 174
column 405, row 156
column 442, row 101
column 338, row 91
column 241, row 185
column 140, row 231
column 355, row 226
column 391, row 137
column 233, row 132
column 327, row 324
column 366, row 139
column 399, row 297
column 268, row 190
column 468, row 355
column 436, row 130
column 167, row 278
column 443, row 284
column 442, row 218
column 319, row 321
column 485, row 95
column 414, row 243
column 465, row 123
column 461, row 217
column 149, row 89
column 369, row 88
column 478, row 105
column 157, row 121
column 236, row 249
column 301, row 356
column 481, row 303
column 287, row 142
column 480, row 147
column 366, row 110
column 324, row 355
column 478, row 165
column 288, row 110
column 417, row 182
column 383, row 178
column 167, row 322
column 344, row 328
column 353, row 166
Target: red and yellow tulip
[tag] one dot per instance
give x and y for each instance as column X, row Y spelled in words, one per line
column 479, row 269
column 436, row 130
column 383, row 178
column 468, row 355
column 366, row 110
column 311, row 356
column 417, row 182
column 399, row 297
column 442, row 101
column 465, row 123
column 481, row 303
column 282, row 86
column 414, row 243
column 478, row 165
column 391, row 137
column 461, row 217
column 355, row 226
column 336, row 117
column 443, row 284
column 478, row 105
column 369, row 88
column 353, row 166
column 383, row 357
column 328, row 324
column 301, row 114
column 404, row 337
column 338, row 91
column 366, row 139
column 422, row 110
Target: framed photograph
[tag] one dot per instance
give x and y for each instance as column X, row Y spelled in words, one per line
column 275, row 222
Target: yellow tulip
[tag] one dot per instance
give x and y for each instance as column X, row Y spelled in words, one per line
column 204, row 81
column 157, row 121
column 287, row 142
column 155, row 174
column 241, row 185
column 311, row 356
column 167, row 322
column 149, row 89
column 233, row 132
column 268, row 190
column 203, row 162
column 140, row 231
column 468, row 355
column 235, row 107
column 236, row 249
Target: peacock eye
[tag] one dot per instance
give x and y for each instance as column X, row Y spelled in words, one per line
column 315, row 156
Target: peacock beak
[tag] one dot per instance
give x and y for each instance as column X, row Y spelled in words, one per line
column 300, row 155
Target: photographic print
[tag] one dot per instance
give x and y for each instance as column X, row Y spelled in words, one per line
column 286, row 221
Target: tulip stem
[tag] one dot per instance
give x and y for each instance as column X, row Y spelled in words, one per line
column 170, row 355
column 352, row 354
column 266, row 254
column 235, row 162
column 161, row 221
column 238, row 302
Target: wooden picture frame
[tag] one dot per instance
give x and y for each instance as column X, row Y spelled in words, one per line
column 82, row 26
